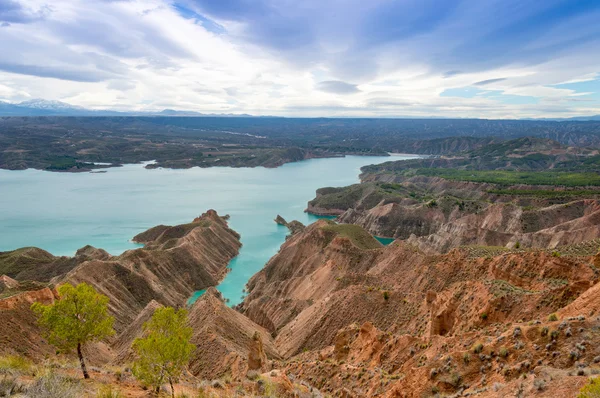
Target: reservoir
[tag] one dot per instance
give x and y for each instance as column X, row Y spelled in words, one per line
column 61, row 212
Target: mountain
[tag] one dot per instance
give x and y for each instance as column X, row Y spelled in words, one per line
column 42, row 107
column 50, row 105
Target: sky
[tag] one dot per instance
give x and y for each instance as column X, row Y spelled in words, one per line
column 305, row 58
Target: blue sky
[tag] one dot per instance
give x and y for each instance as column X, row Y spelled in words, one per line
column 468, row 58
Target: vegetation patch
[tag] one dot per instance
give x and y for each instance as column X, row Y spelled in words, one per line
column 359, row 237
column 509, row 177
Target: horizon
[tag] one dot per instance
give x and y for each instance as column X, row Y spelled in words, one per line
column 490, row 60
column 72, row 110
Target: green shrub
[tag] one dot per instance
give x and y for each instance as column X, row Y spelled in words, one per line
column 591, row 389
column 552, row 318
column 544, row 331
column 455, row 380
column 484, row 316
column 107, row 391
column 503, row 352
column 477, row 348
column 386, row 295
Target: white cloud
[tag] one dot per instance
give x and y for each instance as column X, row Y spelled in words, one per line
column 144, row 55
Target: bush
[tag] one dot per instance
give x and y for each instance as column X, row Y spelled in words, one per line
column 544, row 331
column 484, row 316
column 466, row 357
column 539, row 384
column 107, row 391
column 386, row 295
column 590, row 390
column 455, row 380
column 52, row 385
column 497, row 387
column 10, row 386
column 503, row 352
column 552, row 318
column 14, row 364
column 477, row 348
column 266, row 387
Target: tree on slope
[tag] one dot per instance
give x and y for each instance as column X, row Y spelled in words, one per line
column 78, row 317
column 164, row 351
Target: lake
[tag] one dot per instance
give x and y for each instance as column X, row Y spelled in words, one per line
column 61, row 212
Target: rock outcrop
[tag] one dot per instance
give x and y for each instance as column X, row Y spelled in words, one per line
column 7, row 283
column 293, row 226
column 227, row 341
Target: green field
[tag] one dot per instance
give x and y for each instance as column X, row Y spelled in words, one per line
column 503, row 177
column 546, row 193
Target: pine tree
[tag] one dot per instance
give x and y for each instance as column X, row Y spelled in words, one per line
column 79, row 316
column 165, row 349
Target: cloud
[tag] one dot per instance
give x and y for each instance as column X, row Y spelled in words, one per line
column 11, row 11
column 489, row 81
column 337, row 87
column 77, row 75
column 496, row 58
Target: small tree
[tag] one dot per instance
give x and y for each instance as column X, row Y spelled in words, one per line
column 78, row 317
column 165, row 349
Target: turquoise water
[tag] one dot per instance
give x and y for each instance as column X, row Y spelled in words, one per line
column 61, row 212
column 384, row 241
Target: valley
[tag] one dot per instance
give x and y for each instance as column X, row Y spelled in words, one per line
column 489, row 286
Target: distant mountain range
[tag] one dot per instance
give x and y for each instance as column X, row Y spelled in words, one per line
column 42, row 107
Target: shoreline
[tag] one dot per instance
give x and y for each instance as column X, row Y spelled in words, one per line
column 146, row 163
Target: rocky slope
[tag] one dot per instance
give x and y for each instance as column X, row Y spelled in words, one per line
column 337, row 313
column 355, row 320
column 173, row 264
column 437, row 214
column 529, row 191
column 227, row 341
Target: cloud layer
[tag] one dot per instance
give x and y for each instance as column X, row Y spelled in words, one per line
column 469, row 58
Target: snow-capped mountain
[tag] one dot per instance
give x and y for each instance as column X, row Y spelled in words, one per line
column 39, row 103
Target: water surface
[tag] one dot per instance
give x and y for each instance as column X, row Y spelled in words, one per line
column 61, row 212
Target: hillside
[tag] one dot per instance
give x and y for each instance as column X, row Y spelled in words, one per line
column 396, row 322
column 335, row 313
column 76, row 144
column 503, row 194
column 167, row 270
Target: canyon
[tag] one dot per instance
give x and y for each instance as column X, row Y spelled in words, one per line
column 488, row 289
column 338, row 312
